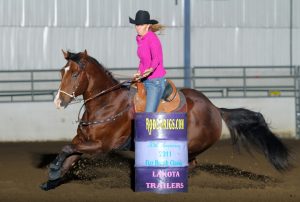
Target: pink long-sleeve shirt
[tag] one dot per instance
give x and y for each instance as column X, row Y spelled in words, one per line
column 150, row 53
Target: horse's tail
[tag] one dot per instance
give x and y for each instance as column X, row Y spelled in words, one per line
column 251, row 127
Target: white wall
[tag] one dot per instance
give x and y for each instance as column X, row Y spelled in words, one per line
column 41, row 121
column 37, row 122
column 279, row 113
column 223, row 32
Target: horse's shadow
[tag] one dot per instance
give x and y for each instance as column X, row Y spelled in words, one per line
column 116, row 171
column 229, row 171
column 42, row 160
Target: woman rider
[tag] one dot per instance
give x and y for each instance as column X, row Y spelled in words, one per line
column 149, row 51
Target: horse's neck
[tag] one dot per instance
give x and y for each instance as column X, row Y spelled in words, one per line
column 98, row 80
column 101, row 82
column 109, row 103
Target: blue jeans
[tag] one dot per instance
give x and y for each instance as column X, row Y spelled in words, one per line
column 154, row 89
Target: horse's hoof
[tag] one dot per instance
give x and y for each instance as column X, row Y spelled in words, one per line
column 44, row 186
column 54, row 174
column 50, row 184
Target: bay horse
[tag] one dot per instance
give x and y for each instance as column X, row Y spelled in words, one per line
column 107, row 122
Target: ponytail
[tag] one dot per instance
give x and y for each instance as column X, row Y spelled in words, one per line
column 156, row 27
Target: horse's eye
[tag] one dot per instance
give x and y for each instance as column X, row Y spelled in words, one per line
column 75, row 75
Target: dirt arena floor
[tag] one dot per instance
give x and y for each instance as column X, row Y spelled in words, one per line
column 222, row 175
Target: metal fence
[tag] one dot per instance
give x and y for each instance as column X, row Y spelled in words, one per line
column 28, row 85
column 215, row 82
column 247, row 81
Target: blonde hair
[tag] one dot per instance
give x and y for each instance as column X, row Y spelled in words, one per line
column 156, row 27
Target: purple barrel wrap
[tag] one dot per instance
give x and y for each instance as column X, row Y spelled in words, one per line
column 161, row 153
column 160, row 126
column 161, row 180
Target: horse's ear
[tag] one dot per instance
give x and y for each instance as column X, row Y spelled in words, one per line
column 66, row 54
column 85, row 54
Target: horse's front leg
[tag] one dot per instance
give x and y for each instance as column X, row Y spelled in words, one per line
column 69, row 155
column 56, row 165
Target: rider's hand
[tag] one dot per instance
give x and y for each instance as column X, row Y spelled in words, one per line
column 137, row 76
column 147, row 72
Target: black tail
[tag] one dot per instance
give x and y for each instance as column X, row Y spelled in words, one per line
column 251, row 127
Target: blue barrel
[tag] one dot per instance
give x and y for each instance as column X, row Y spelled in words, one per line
column 161, row 153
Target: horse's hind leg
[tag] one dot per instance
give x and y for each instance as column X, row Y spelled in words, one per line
column 192, row 164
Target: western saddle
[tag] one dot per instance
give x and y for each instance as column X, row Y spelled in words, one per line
column 172, row 99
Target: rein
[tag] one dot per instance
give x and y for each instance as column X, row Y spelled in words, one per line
column 112, row 118
column 107, row 90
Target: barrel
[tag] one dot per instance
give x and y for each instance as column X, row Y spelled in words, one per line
column 161, row 154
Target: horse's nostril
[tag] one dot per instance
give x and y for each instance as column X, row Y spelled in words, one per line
column 62, row 103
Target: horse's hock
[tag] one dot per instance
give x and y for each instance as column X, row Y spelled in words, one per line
column 161, row 153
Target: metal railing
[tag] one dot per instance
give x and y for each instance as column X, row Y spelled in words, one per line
column 28, row 85
column 216, row 82
column 247, row 81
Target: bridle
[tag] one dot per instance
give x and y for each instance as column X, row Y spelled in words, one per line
column 70, row 95
column 87, row 123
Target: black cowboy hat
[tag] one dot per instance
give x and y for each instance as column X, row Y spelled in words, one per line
column 142, row 17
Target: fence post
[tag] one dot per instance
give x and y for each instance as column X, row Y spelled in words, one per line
column 244, row 82
column 187, row 44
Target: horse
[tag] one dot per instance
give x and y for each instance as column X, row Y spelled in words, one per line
column 106, row 123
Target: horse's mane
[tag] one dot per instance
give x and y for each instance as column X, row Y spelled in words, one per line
column 75, row 57
column 99, row 65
